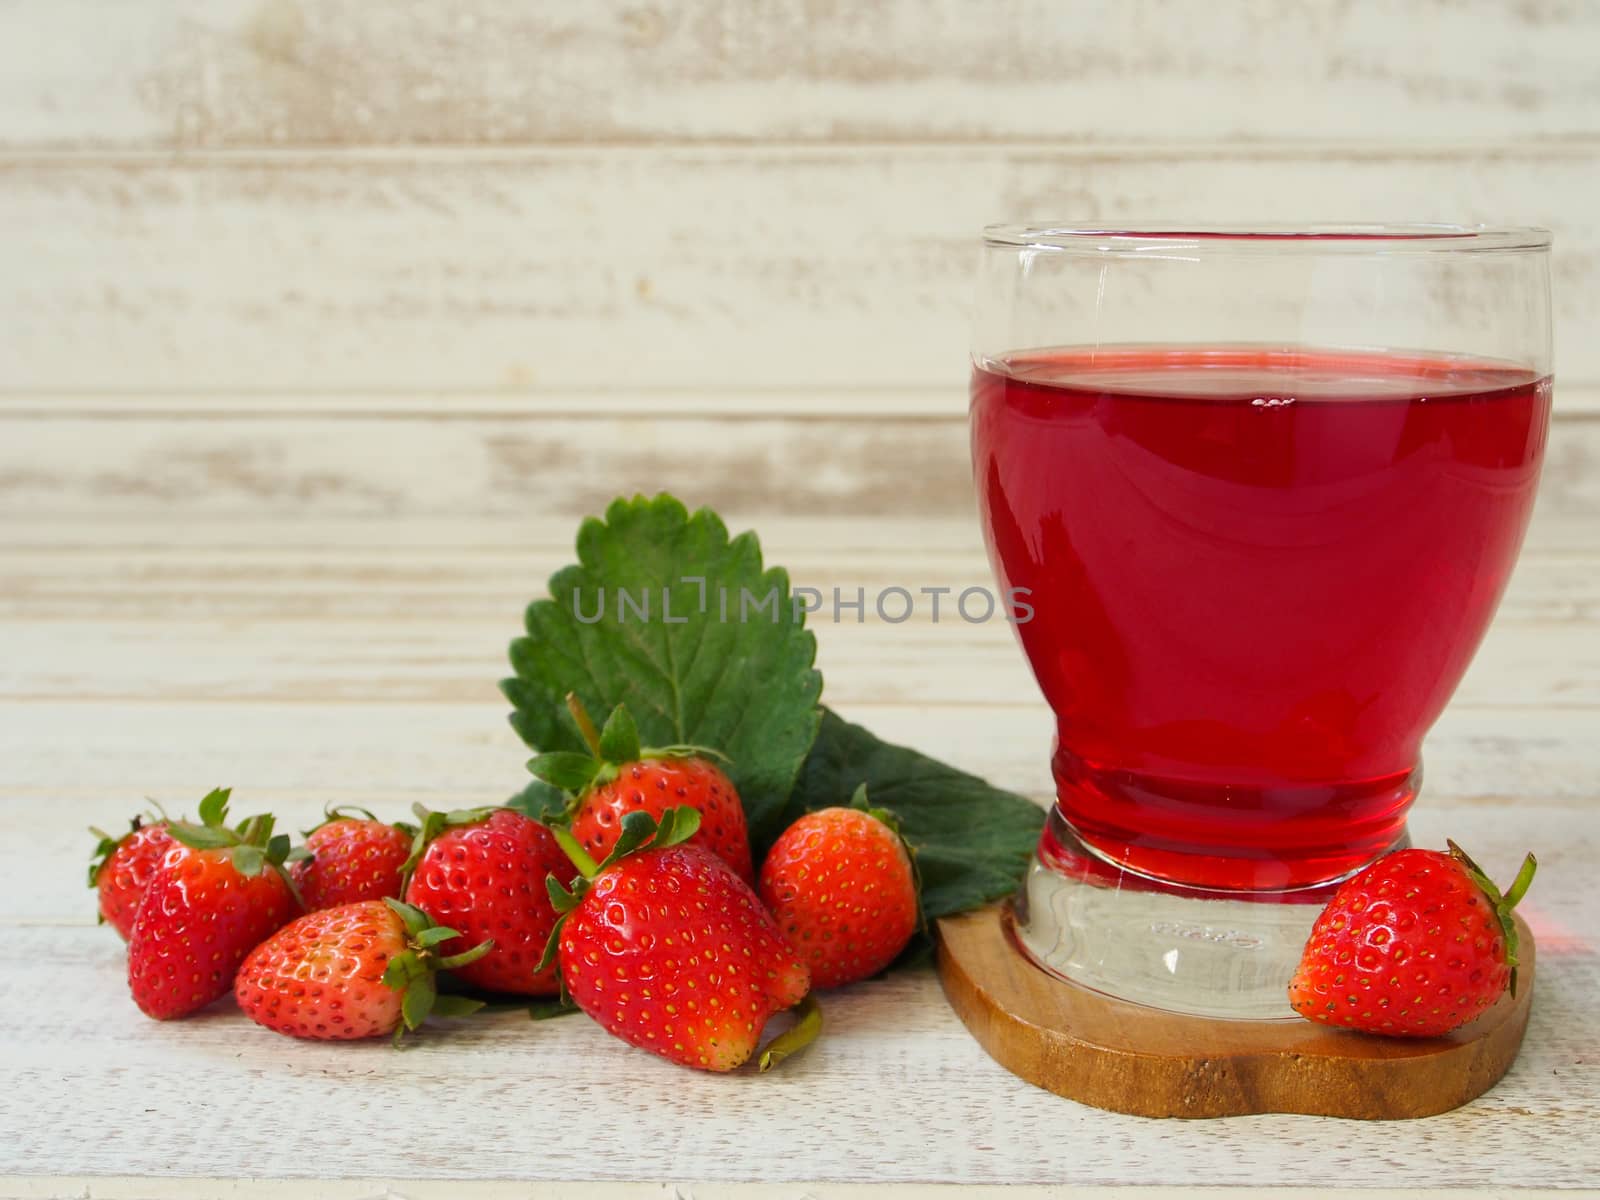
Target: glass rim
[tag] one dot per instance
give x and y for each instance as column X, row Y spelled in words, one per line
column 1267, row 238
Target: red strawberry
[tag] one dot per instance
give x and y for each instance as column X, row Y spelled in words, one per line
column 671, row 951
column 216, row 895
column 353, row 971
column 617, row 777
column 1414, row 946
column 352, row 858
column 841, row 885
column 122, row 869
column 482, row 871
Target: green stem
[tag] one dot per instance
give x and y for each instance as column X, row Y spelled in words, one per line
column 804, row 1031
column 573, row 849
column 591, row 735
column 1521, row 884
column 465, row 957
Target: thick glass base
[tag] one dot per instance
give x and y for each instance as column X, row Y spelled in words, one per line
column 1211, row 954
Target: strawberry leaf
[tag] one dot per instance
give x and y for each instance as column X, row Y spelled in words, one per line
column 972, row 840
column 541, row 801
column 665, row 613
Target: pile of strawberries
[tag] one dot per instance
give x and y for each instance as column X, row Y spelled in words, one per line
column 642, row 906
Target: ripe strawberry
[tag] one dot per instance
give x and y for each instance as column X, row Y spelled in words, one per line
column 353, row 971
column 483, row 871
column 672, row 952
column 122, row 869
column 1414, row 946
column 351, row 858
column 217, row 894
column 617, row 777
column 843, row 890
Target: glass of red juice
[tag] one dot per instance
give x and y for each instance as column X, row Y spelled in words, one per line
column 1262, row 489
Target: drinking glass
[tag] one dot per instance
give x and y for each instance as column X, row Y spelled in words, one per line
column 1262, row 489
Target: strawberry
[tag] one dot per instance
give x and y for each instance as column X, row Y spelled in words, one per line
column 1414, row 946
column 351, row 857
column 482, row 871
column 842, row 887
column 617, row 777
column 669, row 950
column 216, row 895
column 352, row 971
column 122, row 869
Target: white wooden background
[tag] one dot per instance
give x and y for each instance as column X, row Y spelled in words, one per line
column 322, row 323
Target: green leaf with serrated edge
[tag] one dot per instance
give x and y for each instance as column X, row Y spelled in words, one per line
column 540, row 801
column 745, row 686
column 619, row 740
column 564, row 769
column 972, row 840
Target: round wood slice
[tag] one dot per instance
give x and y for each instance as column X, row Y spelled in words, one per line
column 1133, row 1059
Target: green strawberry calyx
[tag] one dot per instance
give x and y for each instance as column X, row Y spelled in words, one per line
column 430, row 825
column 108, row 844
column 412, row 972
column 1501, row 904
column 677, row 825
column 888, row 819
column 610, row 749
column 355, row 812
column 251, row 845
column 640, row 832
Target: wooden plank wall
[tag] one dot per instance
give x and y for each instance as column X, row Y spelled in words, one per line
column 337, row 276
column 491, row 258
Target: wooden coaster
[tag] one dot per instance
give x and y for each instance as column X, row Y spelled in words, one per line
column 1133, row 1059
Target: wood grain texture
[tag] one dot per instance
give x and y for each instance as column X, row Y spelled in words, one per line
column 250, row 73
column 1129, row 1058
column 251, row 635
column 896, row 1091
column 322, row 323
column 102, row 1187
column 247, row 460
column 749, row 268
column 435, row 627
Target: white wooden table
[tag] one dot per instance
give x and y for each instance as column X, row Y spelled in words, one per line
column 321, row 326
column 315, row 662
